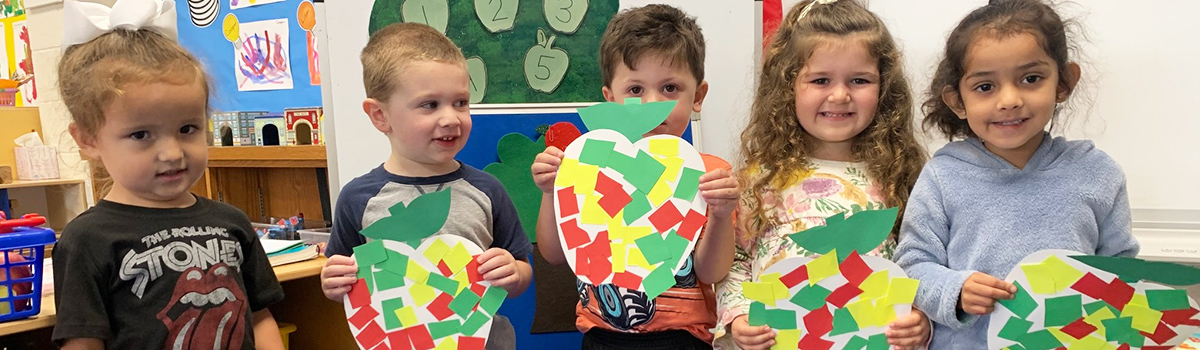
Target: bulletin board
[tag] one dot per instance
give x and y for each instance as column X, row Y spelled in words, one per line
column 18, row 57
column 261, row 54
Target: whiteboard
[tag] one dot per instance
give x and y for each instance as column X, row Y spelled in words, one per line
column 354, row 147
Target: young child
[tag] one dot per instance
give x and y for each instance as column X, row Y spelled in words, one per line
column 830, row 131
column 1009, row 189
column 151, row 266
column 417, row 92
column 655, row 53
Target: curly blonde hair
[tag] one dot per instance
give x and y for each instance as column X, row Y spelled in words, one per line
column 775, row 145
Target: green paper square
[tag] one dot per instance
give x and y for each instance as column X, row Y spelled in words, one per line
column 438, row 330
column 758, row 314
column 1092, row 307
column 647, row 173
column 855, row 343
column 1118, row 329
column 390, row 320
column 439, row 282
column 364, row 272
column 781, row 319
column 464, row 303
column 689, row 182
column 637, row 207
column 1135, row 339
column 654, row 248
column 811, row 297
column 1015, row 329
column 385, row 280
column 1015, row 347
column 877, row 342
column 396, row 263
column 493, row 297
column 843, row 322
column 1167, row 299
column 1022, row 304
column 370, row 253
column 621, row 163
column 1063, row 310
column 1040, row 340
column 473, row 323
column 658, row 281
column 676, row 244
column 596, row 152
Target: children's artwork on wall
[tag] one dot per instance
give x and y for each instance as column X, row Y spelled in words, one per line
column 261, row 56
column 307, row 16
column 841, row 299
column 629, row 213
column 203, row 12
column 1069, row 299
column 241, row 4
column 558, row 41
column 24, row 63
column 12, row 8
column 17, row 63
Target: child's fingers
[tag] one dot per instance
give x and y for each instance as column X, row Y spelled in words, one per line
column 494, row 258
column 758, row 341
column 554, row 151
column 335, row 283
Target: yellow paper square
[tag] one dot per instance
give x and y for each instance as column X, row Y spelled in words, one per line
column 664, row 147
column 660, row 193
column 1144, row 318
column 874, row 286
column 463, row 281
column 585, row 179
column 1139, row 299
column 863, row 311
column 566, row 173
column 448, row 344
column 884, row 314
column 902, row 291
column 618, row 257
column 822, row 267
column 759, row 291
column 1096, row 318
column 1090, row 343
column 592, row 213
column 407, row 316
column 1062, row 337
column 786, row 339
column 777, row 288
column 422, row 293
column 1064, row 274
column 635, row 258
column 416, row 272
column 1040, row 279
column 436, row 251
column 457, row 258
column 674, row 165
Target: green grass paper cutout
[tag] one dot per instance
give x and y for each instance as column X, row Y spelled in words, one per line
column 422, row 217
column 862, row 232
column 517, row 153
column 1132, row 269
column 632, row 119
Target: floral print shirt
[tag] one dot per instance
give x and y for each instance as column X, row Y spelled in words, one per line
column 828, row 188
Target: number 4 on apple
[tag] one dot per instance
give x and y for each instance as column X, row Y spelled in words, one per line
column 545, row 65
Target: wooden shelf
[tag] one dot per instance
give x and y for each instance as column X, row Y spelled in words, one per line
column 267, row 157
column 40, row 183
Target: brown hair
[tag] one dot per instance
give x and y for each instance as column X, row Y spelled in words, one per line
column 775, row 145
column 394, row 47
column 651, row 29
column 998, row 19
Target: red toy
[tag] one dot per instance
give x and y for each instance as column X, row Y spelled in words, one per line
column 27, row 220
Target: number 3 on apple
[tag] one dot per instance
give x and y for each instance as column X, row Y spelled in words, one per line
column 565, row 16
column 545, row 65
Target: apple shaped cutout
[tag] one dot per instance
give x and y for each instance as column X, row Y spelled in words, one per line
column 477, row 71
column 561, row 134
column 423, row 294
column 497, row 15
column 564, row 16
column 839, row 300
column 1067, row 299
column 434, row 13
column 545, row 65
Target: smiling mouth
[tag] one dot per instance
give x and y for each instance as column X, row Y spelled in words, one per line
column 171, row 172
column 836, row 115
column 1011, row 122
column 447, row 138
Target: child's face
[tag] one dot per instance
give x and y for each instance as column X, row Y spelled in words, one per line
column 837, row 94
column 1008, row 91
column 152, row 143
column 427, row 119
column 657, row 79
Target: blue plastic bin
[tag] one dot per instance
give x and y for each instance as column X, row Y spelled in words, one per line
column 21, row 296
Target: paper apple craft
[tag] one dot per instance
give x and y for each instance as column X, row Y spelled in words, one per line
column 840, row 300
column 628, row 212
column 545, row 65
column 420, row 294
column 1067, row 299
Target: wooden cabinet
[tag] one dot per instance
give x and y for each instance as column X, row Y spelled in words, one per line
column 269, row 181
column 59, row 200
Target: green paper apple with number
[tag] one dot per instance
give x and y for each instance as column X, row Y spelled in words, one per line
column 497, row 15
column 477, row 71
column 565, row 16
column 434, row 13
column 417, row 290
column 1069, row 299
column 545, row 66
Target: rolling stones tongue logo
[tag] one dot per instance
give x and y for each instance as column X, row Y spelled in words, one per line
column 206, row 311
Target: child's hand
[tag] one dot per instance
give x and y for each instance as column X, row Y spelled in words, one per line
column 980, row 292
column 720, row 190
column 545, row 167
column 909, row 332
column 500, row 268
column 751, row 337
column 338, row 276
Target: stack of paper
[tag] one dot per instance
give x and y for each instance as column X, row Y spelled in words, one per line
column 281, row 252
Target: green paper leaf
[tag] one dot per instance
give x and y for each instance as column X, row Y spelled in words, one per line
column 1022, row 304
column 517, row 153
column 1133, row 269
column 862, row 232
column 1063, row 310
column 632, row 119
column 843, row 322
column 422, row 217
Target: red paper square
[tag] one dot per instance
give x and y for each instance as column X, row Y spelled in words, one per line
column 573, row 235
column 800, row 274
column 665, row 217
column 843, row 294
column 473, row 270
column 1118, row 293
column 819, row 322
column 471, row 343
column 1176, row 317
column 440, row 307
column 1160, row 347
column 382, row 346
column 855, row 269
column 692, row 223
column 1123, row 347
column 359, row 294
column 607, row 186
column 1161, row 335
column 812, row 341
column 399, row 340
column 362, row 316
column 627, row 280
column 581, row 263
column 613, row 203
column 599, row 253
column 1091, row 286
column 421, row 339
column 568, row 204
column 444, row 269
column 370, row 336
column 1078, row 329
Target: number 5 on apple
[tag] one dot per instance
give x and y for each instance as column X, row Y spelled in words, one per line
column 545, row 65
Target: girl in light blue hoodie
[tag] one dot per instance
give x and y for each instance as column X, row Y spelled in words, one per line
column 1009, row 189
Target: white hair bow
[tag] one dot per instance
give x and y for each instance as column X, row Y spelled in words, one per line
column 83, row 22
column 810, row 6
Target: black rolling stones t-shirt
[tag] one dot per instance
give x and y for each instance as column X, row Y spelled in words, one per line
column 145, row 278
